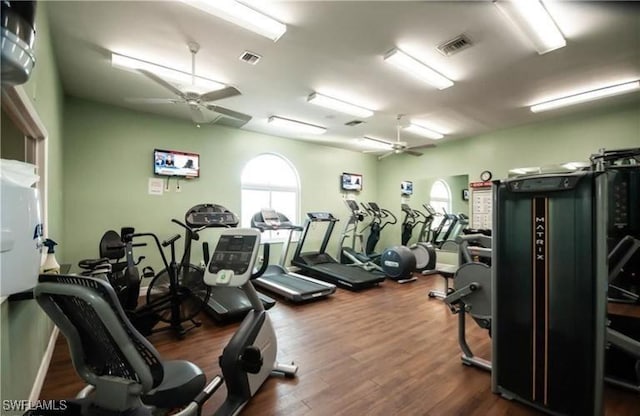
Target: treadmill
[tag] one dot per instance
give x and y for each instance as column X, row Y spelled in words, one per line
column 226, row 304
column 276, row 278
column 322, row 266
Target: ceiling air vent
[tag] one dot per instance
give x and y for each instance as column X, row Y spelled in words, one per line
column 250, row 57
column 353, row 123
column 455, row 45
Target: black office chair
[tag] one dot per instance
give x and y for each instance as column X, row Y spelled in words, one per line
column 125, row 370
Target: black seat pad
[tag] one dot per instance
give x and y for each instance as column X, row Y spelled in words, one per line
column 182, row 382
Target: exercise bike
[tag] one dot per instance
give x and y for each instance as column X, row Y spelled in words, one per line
column 472, row 292
column 111, row 266
column 124, row 372
column 174, row 296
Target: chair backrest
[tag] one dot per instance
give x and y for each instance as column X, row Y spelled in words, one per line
column 102, row 341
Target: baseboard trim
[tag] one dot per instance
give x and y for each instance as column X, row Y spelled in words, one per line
column 44, row 366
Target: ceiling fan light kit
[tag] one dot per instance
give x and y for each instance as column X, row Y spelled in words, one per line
column 534, row 20
column 339, row 105
column 295, row 125
column 586, row 96
column 241, row 15
column 418, row 69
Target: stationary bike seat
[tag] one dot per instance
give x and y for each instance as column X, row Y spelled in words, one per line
column 90, row 264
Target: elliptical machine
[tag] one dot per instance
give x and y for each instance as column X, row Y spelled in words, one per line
column 381, row 218
column 353, row 254
column 424, row 252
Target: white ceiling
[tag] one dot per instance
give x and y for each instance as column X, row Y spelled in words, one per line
column 337, row 48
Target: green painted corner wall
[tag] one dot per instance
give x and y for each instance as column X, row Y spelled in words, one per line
column 108, row 162
column 24, row 329
column 563, row 139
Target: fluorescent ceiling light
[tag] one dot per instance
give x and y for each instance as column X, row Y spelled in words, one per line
column 374, row 143
column 417, row 69
column 535, row 21
column 183, row 78
column 241, row 15
column 298, row 126
column 586, row 96
column 423, row 131
column 338, row 105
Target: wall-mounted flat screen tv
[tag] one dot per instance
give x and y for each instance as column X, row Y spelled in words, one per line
column 351, row 182
column 175, row 163
column 406, row 188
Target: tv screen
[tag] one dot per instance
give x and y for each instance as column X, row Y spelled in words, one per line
column 406, row 188
column 351, row 182
column 174, row 163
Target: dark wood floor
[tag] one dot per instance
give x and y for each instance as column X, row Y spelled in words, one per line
column 386, row 351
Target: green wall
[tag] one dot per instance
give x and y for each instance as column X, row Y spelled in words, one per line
column 109, row 157
column 563, row 139
column 24, row 329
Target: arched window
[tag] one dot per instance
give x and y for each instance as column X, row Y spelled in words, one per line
column 440, row 196
column 270, row 181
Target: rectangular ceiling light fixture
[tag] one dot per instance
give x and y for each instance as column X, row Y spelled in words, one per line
column 183, row 78
column 374, row 143
column 423, row 131
column 532, row 18
column 339, row 105
column 586, row 96
column 242, row 15
column 298, row 126
column 417, row 69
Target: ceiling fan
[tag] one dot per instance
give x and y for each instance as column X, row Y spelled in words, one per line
column 398, row 146
column 200, row 107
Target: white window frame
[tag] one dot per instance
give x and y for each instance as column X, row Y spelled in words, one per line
column 448, row 200
column 273, row 188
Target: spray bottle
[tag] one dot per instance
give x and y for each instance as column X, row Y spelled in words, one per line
column 50, row 265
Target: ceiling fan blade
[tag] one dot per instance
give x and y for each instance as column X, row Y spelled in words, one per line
column 230, row 113
column 219, row 94
column 373, row 151
column 385, row 155
column 423, row 146
column 152, row 100
column 161, row 82
column 413, row 152
column 196, row 114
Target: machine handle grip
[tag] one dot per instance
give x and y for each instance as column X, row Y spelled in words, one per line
column 265, row 262
column 170, row 240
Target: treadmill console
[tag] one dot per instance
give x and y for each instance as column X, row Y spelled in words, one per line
column 210, row 215
column 321, row 216
column 270, row 217
column 233, row 259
